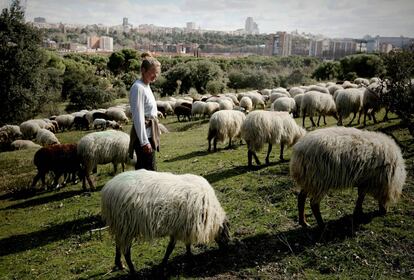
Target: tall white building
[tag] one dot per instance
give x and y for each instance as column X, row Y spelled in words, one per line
column 106, row 43
column 191, row 25
column 251, row 27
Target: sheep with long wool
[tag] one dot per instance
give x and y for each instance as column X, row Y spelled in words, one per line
column 23, row 144
column 336, row 158
column 285, row 104
column 110, row 146
column 246, row 103
column 317, row 102
column 348, row 101
column 145, row 205
column 261, row 127
column 45, row 137
column 29, row 129
column 224, row 124
column 117, row 114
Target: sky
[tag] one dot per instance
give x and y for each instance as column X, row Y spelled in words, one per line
column 336, row 19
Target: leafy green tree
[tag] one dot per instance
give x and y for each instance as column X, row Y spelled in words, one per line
column 328, row 70
column 23, row 78
column 364, row 65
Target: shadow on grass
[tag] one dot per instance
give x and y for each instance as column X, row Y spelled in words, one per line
column 251, row 252
column 28, row 241
column 191, row 125
column 188, row 156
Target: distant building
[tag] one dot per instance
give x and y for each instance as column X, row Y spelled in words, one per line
column 279, row 44
column 251, row 27
column 191, row 26
column 125, row 21
column 93, row 42
column 106, row 43
column 39, row 20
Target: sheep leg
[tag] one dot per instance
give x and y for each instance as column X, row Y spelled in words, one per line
column 215, row 144
column 209, row 145
column 169, row 250
column 386, row 115
column 115, row 167
column 373, row 117
column 118, row 262
column 311, row 118
column 229, row 146
column 188, row 250
column 319, row 118
column 303, row 120
column 352, row 120
column 365, row 117
column 359, row 117
column 123, row 167
column 281, row 152
column 269, row 150
column 382, row 210
column 358, row 206
column 317, row 213
column 339, row 120
column 301, row 207
column 324, row 120
column 128, row 260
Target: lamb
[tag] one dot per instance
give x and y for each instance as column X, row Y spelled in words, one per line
column 117, row 114
column 270, row 127
column 224, row 124
column 348, row 101
column 182, row 111
column 60, row 159
column 317, row 102
column 23, row 145
column 338, row 158
column 65, row 121
column 286, row 104
column 145, row 205
column 45, row 137
column 246, row 103
column 102, row 147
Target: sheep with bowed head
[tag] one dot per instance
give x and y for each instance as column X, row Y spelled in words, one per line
column 143, row 205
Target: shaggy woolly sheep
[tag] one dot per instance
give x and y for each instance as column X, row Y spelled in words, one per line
column 337, row 158
column 165, row 106
column 211, row 108
column 295, row 91
column 145, row 205
column 99, row 123
column 225, row 104
column 224, row 124
column 275, row 95
column 317, row 88
column 348, row 84
column 65, row 121
column 29, row 129
column 285, row 104
column 348, row 101
column 270, row 127
column 361, row 81
column 45, row 137
column 233, row 97
column 102, row 147
column 333, row 88
column 317, row 102
column 298, row 101
column 246, row 103
column 198, row 109
column 371, row 101
column 23, row 145
column 117, row 114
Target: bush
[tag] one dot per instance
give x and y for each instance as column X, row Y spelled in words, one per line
column 328, row 70
column 215, row 87
column 364, row 65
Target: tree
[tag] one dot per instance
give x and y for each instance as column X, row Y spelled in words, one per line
column 328, row 70
column 23, row 77
column 364, row 65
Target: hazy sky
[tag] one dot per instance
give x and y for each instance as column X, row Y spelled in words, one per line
column 345, row 18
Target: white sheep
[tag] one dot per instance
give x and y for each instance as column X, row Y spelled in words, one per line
column 99, row 124
column 45, row 137
column 317, row 88
column 117, row 114
column 285, row 104
column 102, row 147
column 261, row 127
column 65, row 121
column 225, row 124
column 165, row 107
column 295, row 91
column 246, row 103
column 13, row 131
column 23, row 145
column 298, row 101
column 29, row 129
column 211, row 108
column 225, row 104
column 198, row 109
column 145, row 205
column 348, row 84
column 333, row 88
column 371, row 103
column 361, row 81
column 317, row 102
column 336, row 158
column 348, row 101
column 275, row 95
column 233, row 97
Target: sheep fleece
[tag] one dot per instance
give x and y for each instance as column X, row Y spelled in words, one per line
column 147, row 204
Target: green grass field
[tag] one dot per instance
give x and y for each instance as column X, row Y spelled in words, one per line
column 47, row 234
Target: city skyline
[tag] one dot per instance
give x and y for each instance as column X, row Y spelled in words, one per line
column 350, row 18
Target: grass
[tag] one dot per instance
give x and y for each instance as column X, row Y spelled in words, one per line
column 47, row 234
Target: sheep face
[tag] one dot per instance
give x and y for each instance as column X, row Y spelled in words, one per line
column 223, row 236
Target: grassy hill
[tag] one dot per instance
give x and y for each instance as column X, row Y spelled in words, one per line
column 47, row 234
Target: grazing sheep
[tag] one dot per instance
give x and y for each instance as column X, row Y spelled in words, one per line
column 12, row 130
column 100, row 115
column 60, row 159
column 338, row 158
column 317, row 102
column 298, row 101
column 182, row 111
column 113, row 125
column 348, row 101
column 361, row 81
column 81, row 122
column 102, row 147
column 225, row 104
column 145, row 205
column 233, row 98
column 29, row 129
column 211, row 108
column 198, row 109
column 333, row 88
column 165, row 107
column 318, row 88
column 117, row 114
column 246, row 103
column 45, row 137
column 275, row 95
column 371, row 101
column 65, row 121
column 270, row 127
column 224, row 124
column 99, row 123
column 285, row 104
column 295, row 91
column 348, row 84
column 23, row 145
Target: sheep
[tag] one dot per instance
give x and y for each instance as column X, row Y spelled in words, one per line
column 371, row 101
column 65, row 121
column 270, row 127
column 99, row 123
column 211, row 108
column 60, row 159
column 182, row 111
column 318, row 88
column 113, row 125
column 29, row 129
column 100, row 115
column 117, row 114
column 337, row 158
column 164, row 107
column 361, row 81
column 348, row 101
column 225, row 104
column 198, row 108
column 286, row 104
column 298, row 101
column 282, row 90
column 348, row 84
column 23, row 145
column 102, row 147
column 45, row 138
column 224, row 124
column 12, row 130
column 233, row 98
column 295, row 91
column 275, row 95
column 317, row 102
column 374, row 80
column 333, row 88
column 246, row 103
column 81, row 122
column 265, row 91
column 145, row 205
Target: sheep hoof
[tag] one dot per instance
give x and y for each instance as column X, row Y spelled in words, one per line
column 304, row 224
